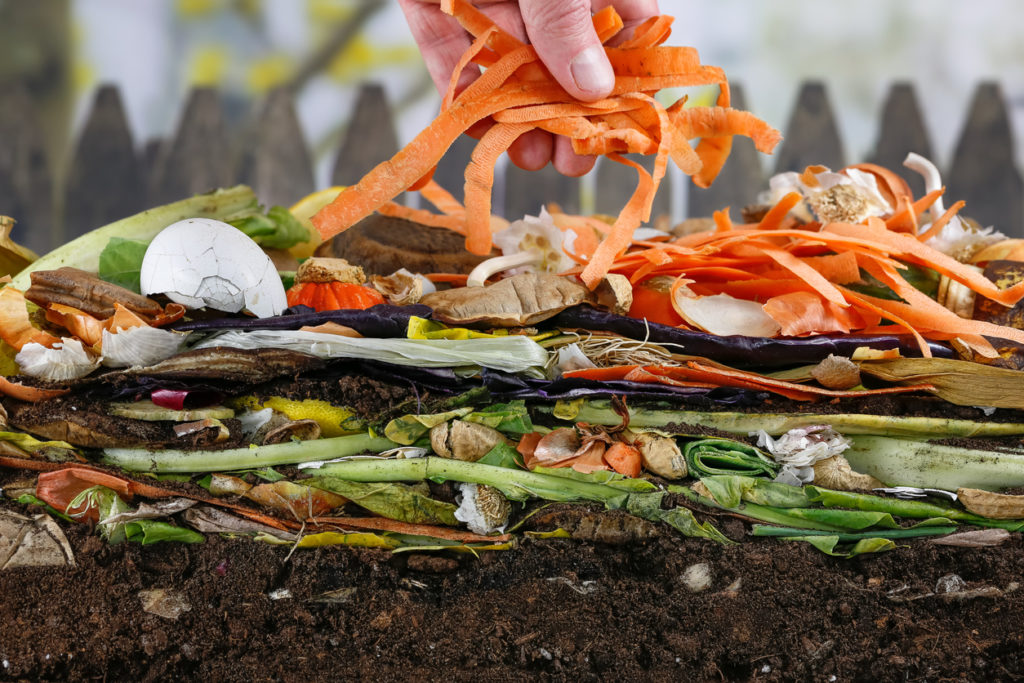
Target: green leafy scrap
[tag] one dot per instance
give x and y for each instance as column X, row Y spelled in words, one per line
column 392, row 500
column 277, row 229
column 121, row 262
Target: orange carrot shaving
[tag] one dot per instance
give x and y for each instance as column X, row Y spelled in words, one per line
column 652, row 32
column 607, row 24
column 624, row 459
column 424, row 217
column 936, row 227
column 28, row 394
column 773, row 219
column 704, row 374
column 914, row 251
column 622, row 232
column 808, row 274
column 924, row 203
column 520, row 94
column 480, row 179
column 442, row 199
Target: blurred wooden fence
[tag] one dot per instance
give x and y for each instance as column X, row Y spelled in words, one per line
column 110, row 175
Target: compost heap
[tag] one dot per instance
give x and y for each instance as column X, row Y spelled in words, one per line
column 839, row 366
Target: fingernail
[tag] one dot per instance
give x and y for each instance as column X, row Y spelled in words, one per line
column 592, row 72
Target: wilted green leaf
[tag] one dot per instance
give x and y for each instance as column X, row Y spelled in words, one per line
column 391, row 500
column 407, row 429
column 511, row 418
column 148, row 531
column 502, row 455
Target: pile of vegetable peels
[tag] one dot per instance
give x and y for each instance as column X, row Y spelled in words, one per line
column 842, row 348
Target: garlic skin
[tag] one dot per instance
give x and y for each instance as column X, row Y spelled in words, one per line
column 201, row 262
column 67, row 359
column 800, row 449
column 849, row 196
column 484, row 509
column 531, row 244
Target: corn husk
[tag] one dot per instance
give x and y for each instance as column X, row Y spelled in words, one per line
column 991, row 505
column 960, row 382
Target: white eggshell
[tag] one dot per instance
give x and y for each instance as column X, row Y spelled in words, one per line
column 204, row 262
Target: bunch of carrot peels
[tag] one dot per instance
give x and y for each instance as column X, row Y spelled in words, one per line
column 800, row 276
column 519, row 95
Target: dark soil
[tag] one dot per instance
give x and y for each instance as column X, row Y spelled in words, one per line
column 612, row 603
column 555, row 609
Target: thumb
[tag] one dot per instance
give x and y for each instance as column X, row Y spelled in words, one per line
column 563, row 33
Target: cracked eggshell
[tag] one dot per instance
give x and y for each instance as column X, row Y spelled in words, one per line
column 204, row 262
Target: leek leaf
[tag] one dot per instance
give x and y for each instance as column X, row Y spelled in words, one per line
column 929, row 465
column 600, row 412
column 30, row 499
column 648, row 506
column 905, row 508
column 731, row 490
column 149, row 531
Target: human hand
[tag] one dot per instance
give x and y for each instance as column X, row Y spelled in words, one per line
column 562, row 32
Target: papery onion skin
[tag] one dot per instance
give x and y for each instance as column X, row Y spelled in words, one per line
column 66, row 360
column 140, row 346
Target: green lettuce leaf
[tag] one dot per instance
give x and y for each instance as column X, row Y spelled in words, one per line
column 278, row 229
column 121, row 262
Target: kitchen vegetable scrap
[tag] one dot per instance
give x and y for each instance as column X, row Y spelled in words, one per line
column 807, row 371
column 521, row 95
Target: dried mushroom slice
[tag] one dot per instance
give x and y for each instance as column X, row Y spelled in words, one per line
column 524, row 299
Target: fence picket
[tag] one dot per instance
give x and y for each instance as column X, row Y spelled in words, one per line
column 276, row 162
column 901, row 131
column 92, row 198
column 26, row 185
column 741, row 178
column 983, row 172
column 811, row 136
column 199, row 157
column 370, row 136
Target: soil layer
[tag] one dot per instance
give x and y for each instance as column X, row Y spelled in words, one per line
column 662, row 608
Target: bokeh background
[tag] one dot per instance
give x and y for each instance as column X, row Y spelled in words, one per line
column 157, row 50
